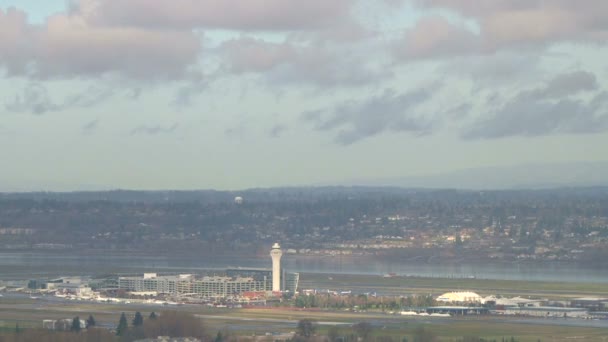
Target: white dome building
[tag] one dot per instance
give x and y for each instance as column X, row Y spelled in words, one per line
column 460, row 297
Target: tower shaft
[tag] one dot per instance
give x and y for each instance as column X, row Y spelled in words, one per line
column 275, row 255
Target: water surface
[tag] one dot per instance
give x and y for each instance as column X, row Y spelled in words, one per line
column 27, row 265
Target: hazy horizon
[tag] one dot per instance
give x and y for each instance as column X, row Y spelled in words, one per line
column 517, row 177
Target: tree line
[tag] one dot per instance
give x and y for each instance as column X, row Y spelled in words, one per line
column 169, row 323
column 181, row 324
column 363, row 302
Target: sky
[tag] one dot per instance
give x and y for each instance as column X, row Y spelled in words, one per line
column 229, row 94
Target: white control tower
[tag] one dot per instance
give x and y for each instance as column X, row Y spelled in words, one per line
column 275, row 254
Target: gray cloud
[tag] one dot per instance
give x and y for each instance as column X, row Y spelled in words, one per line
column 89, row 97
column 239, row 131
column 312, row 116
column 35, row 99
column 185, row 94
column 568, row 84
column 134, row 93
column 550, row 109
column 354, row 121
column 458, row 112
column 90, row 126
column 296, row 64
column 499, row 68
column 277, row 130
column 154, row 130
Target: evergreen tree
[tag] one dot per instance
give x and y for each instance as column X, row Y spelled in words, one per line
column 364, row 330
column 219, row 337
column 17, row 330
column 152, row 315
column 90, row 321
column 424, row 335
column 306, row 328
column 138, row 320
column 333, row 334
column 75, row 324
column 122, row 325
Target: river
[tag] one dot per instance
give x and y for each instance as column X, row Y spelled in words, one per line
column 26, row 265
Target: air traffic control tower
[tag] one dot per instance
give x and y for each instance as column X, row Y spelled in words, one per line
column 275, row 254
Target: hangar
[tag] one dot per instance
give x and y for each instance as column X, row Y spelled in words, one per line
column 460, row 297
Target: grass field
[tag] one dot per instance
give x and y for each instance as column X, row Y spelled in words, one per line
column 260, row 321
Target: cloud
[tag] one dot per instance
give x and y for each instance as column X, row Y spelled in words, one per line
column 35, row 99
column 69, row 46
column 185, row 94
column 500, row 68
column 248, row 54
column 459, row 111
column 277, row 130
column 532, row 23
column 353, row 121
column 15, row 40
column 154, row 130
column 162, row 40
column 89, row 97
column 90, row 126
column 434, row 37
column 551, row 109
column 263, row 15
column 568, row 84
column 290, row 63
column 74, row 47
column 239, row 131
column 134, row 93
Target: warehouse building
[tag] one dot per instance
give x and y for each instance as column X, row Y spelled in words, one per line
column 590, row 303
column 544, row 311
column 460, row 297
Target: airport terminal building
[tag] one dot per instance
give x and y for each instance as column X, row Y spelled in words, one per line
column 188, row 284
column 233, row 282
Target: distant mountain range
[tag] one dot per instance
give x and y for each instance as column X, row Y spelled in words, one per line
column 529, row 176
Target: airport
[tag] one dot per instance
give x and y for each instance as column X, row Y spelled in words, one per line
column 234, row 282
column 237, row 286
